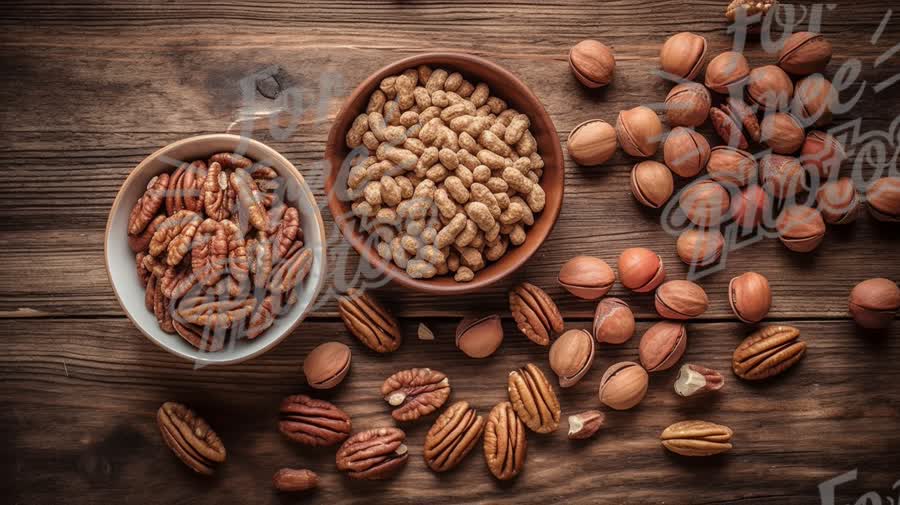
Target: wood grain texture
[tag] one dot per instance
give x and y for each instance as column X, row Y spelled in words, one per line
column 87, row 91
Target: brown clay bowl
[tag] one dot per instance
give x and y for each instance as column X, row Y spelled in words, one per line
column 504, row 85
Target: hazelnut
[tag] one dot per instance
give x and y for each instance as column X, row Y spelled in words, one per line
column 682, row 55
column 814, row 99
column 770, row 88
column 727, row 70
column 592, row 142
column 700, row 247
column 687, row 104
column 750, row 297
column 804, row 53
column 613, row 321
column 586, row 277
column 822, row 154
column 782, row 132
column 750, row 206
column 662, row 345
column 681, row 300
column 883, row 198
column 623, row 385
column 695, row 379
column 327, row 365
column 571, row 356
column 705, row 203
column 685, row 151
column 479, row 337
column 639, row 131
column 641, row 270
column 729, row 165
column 874, row 303
column 838, row 201
column 592, row 62
column 782, row 176
column 652, row 183
column 800, row 228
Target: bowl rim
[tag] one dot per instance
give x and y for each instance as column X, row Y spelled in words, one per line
column 305, row 190
column 334, row 146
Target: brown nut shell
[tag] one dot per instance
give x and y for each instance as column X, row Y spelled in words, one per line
column 533, row 399
column 686, row 151
column 728, row 128
column 369, row 321
column 613, row 321
column 479, row 337
column 585, row 424
column 592, row 142
column 782, row 133
column 586, row 277
column 814, row 100
column 375, row 454
column 782, row 176
column 292, row 480
column 700, row 248
column 327, row 365
column 805, row 53
column 651, row 183
column 453, row 435
column 662, row 345
column 750, row 207
column 190, row 438
column 571, row 356
column 821, row 155
column 729, row 165
column 874, row 303
column 641, row 270
column 680, row 300
column 770, row 88
column 505, row 444
column 415, row 392
column 592, row 62
column 750, row 297
column 682, row 55
column 639, row 131
column 623, row 385
column 687, row 104
column 883, row 197
column 535, row 313
column 727, row 70
column 800, row 228
column 705, row 203
column 838, row 201
column 768, row 352
column 697, row 438
column 697, row 380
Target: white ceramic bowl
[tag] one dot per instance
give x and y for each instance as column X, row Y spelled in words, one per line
column 121, row 267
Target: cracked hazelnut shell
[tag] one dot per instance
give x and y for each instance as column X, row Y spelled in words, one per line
column 782, row 176
column 613, row 321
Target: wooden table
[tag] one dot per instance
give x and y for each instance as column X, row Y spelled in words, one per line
column 89, row 91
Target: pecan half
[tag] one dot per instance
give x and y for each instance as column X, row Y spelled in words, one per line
column 161, row 308
column 415, row 392
column 533, row 399
column 374, row 454
column 697, row 438
column 452, row 436
column 313, row 422
column 142, row 272
column 148, row 205
column 768, row 352
column 285, row 233
column 204, row 339
column 209, row 252
column 185, row 188
column 263, row 316
column 505, row 445
column 250, row 205
column 141, row 241
column 209, row 312
column 290, row 480
column 230, row 161
column 291, row 270
column 259, row 259
column 238, row 264
column 536, row 315
column 174, row 236
column 369, row 321
column 190, row 438
column 217, row 196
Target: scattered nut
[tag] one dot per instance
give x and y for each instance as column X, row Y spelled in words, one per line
column 585, row 424
column 651, row 183
column 587, row 277
column 782, row 176
column 727, row 70
column 768, row 352
column 415, row 392
column 687, row 104
column 800, row 228
column 782, row 133
column 682, row 55
column 613, row 321
column 662, row 345
column 375, row 454
column 623, row 385
column 313, row 422
column 804, row 53
column 814, row 99
column 327, row 365
column 535, row 313
column 505, row 445
column 190, row 438
column 750, row 297
column 571, row 356
column 592, row 143
column 453, row 435
column 639, row 131
column 883, row 197
column 686, row 151
column 697, row 380
column 592, row 62
column 641, row 270
column 680, row 300
column 697, row 438
column 770, row 88
column 838, row 201
column 479, row 337
column 728, row 165
column 750, row 206
column 874, row 303
column 700, row 248
column 533, row 399
column 822, row 155
column 290, row 480
column 705, row 203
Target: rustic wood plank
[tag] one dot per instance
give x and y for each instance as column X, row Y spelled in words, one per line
column 81, row 395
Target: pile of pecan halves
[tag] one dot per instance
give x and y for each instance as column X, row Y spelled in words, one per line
column 218, row 249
